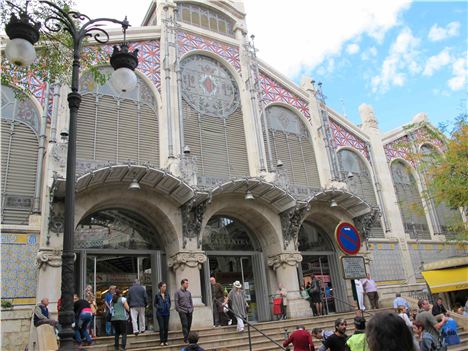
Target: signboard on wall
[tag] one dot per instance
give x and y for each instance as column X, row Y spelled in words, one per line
column 354, row 267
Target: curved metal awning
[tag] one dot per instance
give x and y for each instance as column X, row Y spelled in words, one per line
column 350, row 202
column 157, row 179
column 279, row 198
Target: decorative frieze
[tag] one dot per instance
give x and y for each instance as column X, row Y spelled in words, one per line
column 192, row 218
column 184, row 259
column 285, row 259
column 364, row 223
column 291, row 221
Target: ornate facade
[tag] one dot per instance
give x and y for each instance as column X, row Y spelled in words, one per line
column 243, row 175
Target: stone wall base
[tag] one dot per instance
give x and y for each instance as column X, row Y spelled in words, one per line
column 298, row 308
column 16, row 324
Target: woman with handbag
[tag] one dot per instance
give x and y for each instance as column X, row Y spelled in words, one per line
column 162, row 303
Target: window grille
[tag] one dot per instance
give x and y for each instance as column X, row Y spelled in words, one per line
column 205, row 18
column 409, row 200
column 20, row 127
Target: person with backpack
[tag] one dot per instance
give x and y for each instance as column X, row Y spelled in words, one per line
column 425, row 339
column 449, row 332
column 431, row 324
column 119, row 319
column 315, row 296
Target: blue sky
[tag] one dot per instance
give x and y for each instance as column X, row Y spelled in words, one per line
column 418, row 67
column 396, row 55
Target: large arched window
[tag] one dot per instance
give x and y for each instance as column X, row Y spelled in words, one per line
column 447, row 217
column 227, row 234
column 213, row 122
column 359, row 181
column 20, row 129
column 117, row 127
column 313, row 238
column 291, row 143
column 409, row 201
column 205, row 17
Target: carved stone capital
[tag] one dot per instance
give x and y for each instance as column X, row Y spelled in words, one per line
column 285, row 259
column 192, row 218
column 184, row 259
column 291, row 221
column 45, row 257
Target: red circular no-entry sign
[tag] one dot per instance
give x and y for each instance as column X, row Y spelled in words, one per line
column 348, row 238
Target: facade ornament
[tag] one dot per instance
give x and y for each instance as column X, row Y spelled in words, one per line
column 56, row 219
column 190, row 259
column 284, row 259
column 291, row 221
column 364, row 223
column 48, row 257
column 192, row 218
column 368, row 116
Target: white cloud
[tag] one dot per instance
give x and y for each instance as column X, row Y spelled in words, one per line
column 369, row 53
column 309, row 36
column 352, row 49
column 437, row 33
column 401, row 58
column 460, row 74
column 436, row 62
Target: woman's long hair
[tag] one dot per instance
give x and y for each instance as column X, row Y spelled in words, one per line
column 386, row 331
column 116, row 296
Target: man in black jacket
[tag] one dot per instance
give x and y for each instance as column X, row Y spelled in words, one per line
column 137, row 300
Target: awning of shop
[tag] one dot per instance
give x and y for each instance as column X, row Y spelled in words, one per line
column 443, row 280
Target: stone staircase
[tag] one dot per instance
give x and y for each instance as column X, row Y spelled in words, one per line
column 227, row 338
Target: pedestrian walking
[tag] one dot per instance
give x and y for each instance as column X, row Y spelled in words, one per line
column 83, row 316
column 430, row 322
column 337, row 341
column 162, row 304
column 217, row 295
column 108, row 311
column 184, row 306
column 301, row 340
column 119, row 319
column 238, row 304
column 283, row 294
column 401, row 310
column 370, row 288
column 388, row 332
column 137, row 300
column 401, row 301
column 315, row 296
column 321, row 335
column 357, row 341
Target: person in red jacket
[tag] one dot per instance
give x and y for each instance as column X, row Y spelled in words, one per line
column 301, row 340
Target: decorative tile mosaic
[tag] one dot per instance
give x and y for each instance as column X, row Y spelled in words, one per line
column 398, row 149
column 424, row 136
column 386, row 262
column 187, row 42
column 345, row 138
column 149, row 61
column 426, row 253
column 273, row 91
column 19, row 274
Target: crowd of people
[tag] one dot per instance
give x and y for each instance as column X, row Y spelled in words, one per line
column 429, row 329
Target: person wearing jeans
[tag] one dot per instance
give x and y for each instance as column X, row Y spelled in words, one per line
column 162, row 303
column 83, row 317
column 184, row 305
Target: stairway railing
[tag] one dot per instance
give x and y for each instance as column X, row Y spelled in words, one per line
column 354, row 307
column 250, row 325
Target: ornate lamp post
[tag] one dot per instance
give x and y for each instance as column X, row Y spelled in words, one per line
column 23, row 32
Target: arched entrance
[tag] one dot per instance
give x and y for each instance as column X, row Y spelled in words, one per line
column 115, row 246
column 235, row 254
column 319, row 258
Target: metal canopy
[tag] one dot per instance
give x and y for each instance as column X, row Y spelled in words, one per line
column 148, row 177
column 344, row 199
column 280, row 199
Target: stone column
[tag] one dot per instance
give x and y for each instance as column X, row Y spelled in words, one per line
column 285, row 267
column 187, row 264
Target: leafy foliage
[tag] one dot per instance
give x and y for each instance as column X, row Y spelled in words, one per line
column 54, row 51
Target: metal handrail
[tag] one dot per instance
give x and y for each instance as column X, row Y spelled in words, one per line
column 248, row 328
column 347, row 303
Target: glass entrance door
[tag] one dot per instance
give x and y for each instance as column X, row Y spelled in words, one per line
column 228, row 269
column 102, row 271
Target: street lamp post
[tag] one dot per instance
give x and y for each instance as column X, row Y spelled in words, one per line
column 24, row 33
